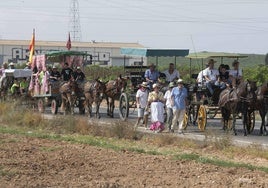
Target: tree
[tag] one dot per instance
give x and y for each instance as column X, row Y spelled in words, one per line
column 266, row 59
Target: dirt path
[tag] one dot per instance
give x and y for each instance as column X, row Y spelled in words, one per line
column 32, row 162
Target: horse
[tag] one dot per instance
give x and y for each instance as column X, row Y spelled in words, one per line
column 93, row 92
column 262, row 105
column 241, row 99
column 68, row 91
column 113, row 90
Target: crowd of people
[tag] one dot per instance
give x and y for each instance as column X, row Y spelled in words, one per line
column 173, row 103
column 41, row 76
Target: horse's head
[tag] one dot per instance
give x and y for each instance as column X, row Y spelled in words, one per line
column 99, row 87
column 121, row 83
column 251, row 86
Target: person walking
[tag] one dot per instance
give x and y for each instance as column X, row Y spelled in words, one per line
column 141, row 101
column 156, row 102
column 169, row 109
column 178, row 101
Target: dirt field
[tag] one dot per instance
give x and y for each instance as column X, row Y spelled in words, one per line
column 32, row 162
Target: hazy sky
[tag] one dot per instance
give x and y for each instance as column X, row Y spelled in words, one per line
column 199, row 25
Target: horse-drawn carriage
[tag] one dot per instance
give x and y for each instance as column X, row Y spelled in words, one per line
column 51, row 93
column 135, row 73
column 203, row 105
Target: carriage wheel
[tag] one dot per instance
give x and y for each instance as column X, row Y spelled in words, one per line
column 54, row 106
column 123, row 106
column 251, row 122
column 41, row 105
column 202, row 118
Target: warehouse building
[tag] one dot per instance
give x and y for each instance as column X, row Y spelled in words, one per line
column 100, row 53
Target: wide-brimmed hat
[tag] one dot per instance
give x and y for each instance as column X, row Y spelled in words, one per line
column 155, row 85
column 11, row 64
column 143, row 84
column 171, row 84
column 180, row 81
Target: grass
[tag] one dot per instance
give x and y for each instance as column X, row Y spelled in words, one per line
column 121, row 136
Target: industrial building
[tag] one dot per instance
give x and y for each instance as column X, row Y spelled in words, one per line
column 102, row 53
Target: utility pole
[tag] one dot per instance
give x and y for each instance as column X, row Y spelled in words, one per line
column 74, row 23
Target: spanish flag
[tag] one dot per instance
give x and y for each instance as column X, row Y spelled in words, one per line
column 31, row 47
column 69, row 44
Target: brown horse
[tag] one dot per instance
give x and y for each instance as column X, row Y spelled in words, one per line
column 68, row 91
column 241, row 99
column 113, row 90
column 262, row 105
column 94, row 92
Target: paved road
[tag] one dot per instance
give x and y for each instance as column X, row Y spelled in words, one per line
column 213, row 129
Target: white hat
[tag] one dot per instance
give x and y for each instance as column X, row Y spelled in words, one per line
column 78, row 67
column 180, row 81
column 171, row 84
column 155, row 85
column 144, row 84
column 54, row 67
column 10, row 64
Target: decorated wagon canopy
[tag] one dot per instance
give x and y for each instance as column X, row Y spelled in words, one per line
column 73, row 58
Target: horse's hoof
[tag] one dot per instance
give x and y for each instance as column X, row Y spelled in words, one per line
column 245, row 134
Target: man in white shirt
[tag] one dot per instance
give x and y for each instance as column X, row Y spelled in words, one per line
column 171, row 74
column 235, row 74
column 169, row 108
column 211, row 75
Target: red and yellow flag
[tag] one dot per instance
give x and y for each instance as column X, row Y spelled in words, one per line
column 31, row 47
column 69, row 44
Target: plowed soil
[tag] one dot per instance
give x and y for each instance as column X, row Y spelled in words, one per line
column 33, row 162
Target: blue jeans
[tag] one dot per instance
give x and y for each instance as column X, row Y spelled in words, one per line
column 210, row 87
column 222, row 85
